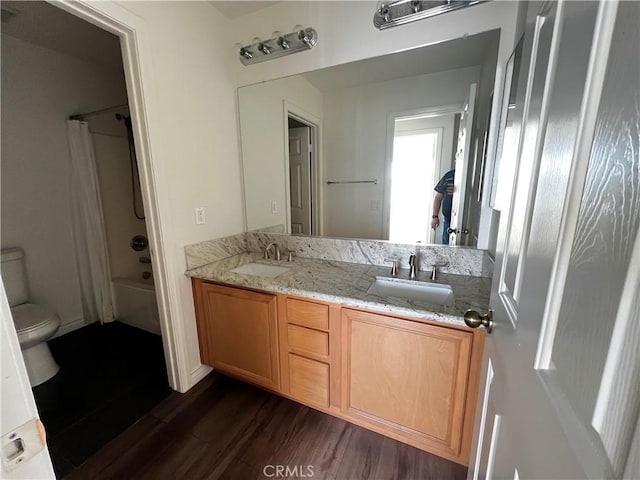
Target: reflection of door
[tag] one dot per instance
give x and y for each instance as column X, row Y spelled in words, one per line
column 415, row 164
column 462, row 156
column 561, row 366
column 300, row 179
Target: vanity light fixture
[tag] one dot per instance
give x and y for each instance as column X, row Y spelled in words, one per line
column 279, row 46
column 399, row 12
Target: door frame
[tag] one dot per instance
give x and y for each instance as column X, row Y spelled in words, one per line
column 451, row 109
column 317, row 193
column 131, row 30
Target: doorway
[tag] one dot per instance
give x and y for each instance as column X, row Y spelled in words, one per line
column 302, row 172
column 111, row 372
column 300, row 181
column 422, row 146
column 416, row 158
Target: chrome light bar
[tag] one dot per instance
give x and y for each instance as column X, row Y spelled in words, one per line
column 400, row 12
column 277, row 47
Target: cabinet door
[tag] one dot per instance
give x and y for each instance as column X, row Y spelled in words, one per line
column 241, row 333
column 408, row 378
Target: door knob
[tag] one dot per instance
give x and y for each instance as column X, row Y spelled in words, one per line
column 464, row 231
column 473, row 319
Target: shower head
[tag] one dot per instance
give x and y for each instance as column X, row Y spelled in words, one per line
column 125, row 118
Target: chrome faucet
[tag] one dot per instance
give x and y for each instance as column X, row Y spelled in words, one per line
column 413, row 267
column 277, row 251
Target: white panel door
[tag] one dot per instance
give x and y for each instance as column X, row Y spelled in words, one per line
column 300, row 179
column 23, row 455
column 458, row 231
column 561, row 366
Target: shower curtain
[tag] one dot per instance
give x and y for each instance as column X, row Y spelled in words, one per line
column 88, row 226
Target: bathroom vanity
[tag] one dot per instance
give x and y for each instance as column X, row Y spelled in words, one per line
column 310, row 332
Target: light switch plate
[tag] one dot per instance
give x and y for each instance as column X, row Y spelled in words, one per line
column 200, row 216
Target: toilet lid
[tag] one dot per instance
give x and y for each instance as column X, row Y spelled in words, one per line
column 29, row 316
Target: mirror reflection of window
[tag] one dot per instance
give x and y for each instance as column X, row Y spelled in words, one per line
column 414, row 170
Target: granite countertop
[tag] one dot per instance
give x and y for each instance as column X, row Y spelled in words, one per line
column 347, row 284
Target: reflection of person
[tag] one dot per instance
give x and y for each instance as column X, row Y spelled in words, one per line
column 443, row 198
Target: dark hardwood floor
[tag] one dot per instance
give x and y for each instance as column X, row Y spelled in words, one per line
column 110, row 376
column 225, row 429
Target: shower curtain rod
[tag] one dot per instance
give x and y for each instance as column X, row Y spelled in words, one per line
column 82, row 116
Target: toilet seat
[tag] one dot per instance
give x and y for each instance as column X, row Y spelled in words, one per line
column 29, row 317
column 34, row 324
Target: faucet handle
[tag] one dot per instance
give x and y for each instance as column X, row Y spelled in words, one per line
column 394, row 268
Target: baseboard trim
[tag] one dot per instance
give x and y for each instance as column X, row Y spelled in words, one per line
column 70, row 327
column 198, row 374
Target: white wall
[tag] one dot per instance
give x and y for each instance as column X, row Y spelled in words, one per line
column 262, row 126
column 356, row 144
column 40, row 89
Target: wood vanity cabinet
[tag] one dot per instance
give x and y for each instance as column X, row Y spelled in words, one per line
column 237, row 332
column 410, row 380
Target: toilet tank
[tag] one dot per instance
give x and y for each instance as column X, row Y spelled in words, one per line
column 14, row 276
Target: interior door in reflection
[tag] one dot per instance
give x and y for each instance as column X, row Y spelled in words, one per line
column 300, row 180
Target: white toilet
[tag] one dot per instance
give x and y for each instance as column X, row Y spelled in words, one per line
column 34, row 324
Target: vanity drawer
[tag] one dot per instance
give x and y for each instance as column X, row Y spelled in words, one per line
column 309, row 380
column 306, row 341
column 308, row 314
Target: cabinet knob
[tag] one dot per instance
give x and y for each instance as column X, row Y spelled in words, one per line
column 474, row 320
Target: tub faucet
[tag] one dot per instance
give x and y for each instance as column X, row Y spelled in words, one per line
column 277, row 251
column 413, row 267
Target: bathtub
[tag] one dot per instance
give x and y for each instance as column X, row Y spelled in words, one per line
column 135, row 303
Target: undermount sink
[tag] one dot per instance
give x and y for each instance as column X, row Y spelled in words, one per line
column 260, row 270
column 412, row 290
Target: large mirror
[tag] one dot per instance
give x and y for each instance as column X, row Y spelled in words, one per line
column 388, row 148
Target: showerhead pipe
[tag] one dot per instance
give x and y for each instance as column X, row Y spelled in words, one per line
column 126, row 119
column 133, row 162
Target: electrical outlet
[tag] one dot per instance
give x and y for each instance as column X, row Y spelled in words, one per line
column 274, row 207
column 200, row 216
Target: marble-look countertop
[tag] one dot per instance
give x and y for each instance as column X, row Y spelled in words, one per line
column 347, row 284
